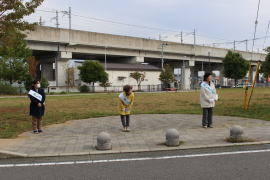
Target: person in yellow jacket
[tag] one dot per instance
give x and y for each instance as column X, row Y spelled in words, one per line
column 126, row 99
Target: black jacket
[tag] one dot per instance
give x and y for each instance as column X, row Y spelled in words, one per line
column 34, row 109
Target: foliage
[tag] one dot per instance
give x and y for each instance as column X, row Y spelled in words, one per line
column 28, row 82
column 13, row 55
column 266, row 64
column 167, row 76
column 105, row 84
column 44, row 83
column 235, row 66
column 13, row 48
column 13, row 12
column 70, row 77
column 92, row 71
column 84, row 89
column 7, row 89
column 139, row 77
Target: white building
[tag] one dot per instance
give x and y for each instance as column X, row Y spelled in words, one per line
column 119, row 75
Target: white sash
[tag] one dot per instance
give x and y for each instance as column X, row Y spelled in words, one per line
column 35, row 95
column 208, row 88
column 124, row 98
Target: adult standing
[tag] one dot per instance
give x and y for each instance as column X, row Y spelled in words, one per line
column 208, row 96
column 37, row 105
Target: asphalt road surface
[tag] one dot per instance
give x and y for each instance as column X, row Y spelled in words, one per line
column 230, row 163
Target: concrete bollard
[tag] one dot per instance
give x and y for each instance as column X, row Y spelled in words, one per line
column 236, row 132
column 172, row 137
column 104, row 141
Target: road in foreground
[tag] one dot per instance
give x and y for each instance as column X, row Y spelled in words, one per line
column 249, row 162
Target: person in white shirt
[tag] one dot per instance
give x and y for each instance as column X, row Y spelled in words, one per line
column 208, row 96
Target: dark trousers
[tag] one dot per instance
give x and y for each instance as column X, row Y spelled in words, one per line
column 125, row 120
column 207, row 118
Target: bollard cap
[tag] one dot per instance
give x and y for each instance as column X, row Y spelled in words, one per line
column 172, row 134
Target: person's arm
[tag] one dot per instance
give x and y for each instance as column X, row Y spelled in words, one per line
column 131, row 101
column 43, row 96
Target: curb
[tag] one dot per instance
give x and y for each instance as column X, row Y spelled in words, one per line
column 9, row 154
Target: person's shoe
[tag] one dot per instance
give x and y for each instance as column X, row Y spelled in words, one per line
column 35, row 131
column 204, row 127
column 128, row 129
column 124, row 129
column 210, row 126
column 40, row 131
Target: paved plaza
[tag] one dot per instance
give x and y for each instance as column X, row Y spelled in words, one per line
column 78, row 137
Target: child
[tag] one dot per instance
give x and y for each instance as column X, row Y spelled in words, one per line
column 126, row 100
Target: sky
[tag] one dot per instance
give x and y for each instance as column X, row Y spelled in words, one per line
column 214, row 21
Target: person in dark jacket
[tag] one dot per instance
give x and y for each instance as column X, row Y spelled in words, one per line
column 37, row 105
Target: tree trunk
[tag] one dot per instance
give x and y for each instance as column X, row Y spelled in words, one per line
column 93, row 87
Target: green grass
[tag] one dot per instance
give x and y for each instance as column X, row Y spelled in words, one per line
column 14, row 117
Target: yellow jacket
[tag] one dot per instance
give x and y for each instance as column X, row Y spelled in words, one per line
column 122, row 107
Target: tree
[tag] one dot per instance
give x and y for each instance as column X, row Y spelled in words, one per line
column 167, row 76
column 12, row 13
column 91, row 72
column 13, row 49
column 70, row 77
column 13, row 55
column 139, row 77
column 266, row 65
column 235, row 66
column 105, row 84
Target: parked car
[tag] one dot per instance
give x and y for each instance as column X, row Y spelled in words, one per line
column 242, row 85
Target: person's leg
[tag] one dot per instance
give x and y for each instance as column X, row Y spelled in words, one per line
column 128, row 122
column 210, row 117
column 123, row 120
column 204, row 117
column 34, row 124
column 39, row 124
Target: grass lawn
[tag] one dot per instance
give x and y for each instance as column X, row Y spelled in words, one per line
column 14, row 117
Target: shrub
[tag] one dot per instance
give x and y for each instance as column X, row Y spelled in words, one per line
column 6, row 89
column 84, row 89
column 44, row 83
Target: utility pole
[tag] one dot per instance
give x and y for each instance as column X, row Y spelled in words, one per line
column 57, row 19
column 181, row 35
column 40, row 21
column 194, row 33
column 69, row 16
column 162, row 54
column 234, row 45
column 246, row 45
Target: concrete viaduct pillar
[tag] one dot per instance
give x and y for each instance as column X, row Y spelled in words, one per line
column 186, row 74
column 61, row 67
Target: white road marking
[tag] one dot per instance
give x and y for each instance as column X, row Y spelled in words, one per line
column 132, row 159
